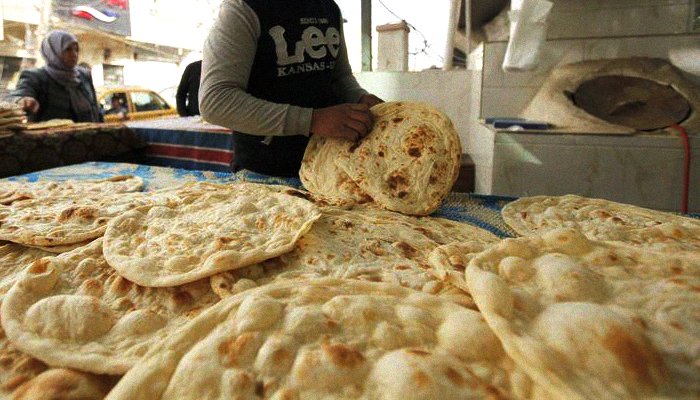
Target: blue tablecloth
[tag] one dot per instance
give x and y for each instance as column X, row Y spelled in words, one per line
column 479, row 210
column 185, row 142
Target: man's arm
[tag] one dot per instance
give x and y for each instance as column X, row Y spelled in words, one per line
column 229, row 51
column 181, row 95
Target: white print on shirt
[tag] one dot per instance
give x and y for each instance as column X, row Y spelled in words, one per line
column 305, row 67
column 313, row 42
column 310, row 21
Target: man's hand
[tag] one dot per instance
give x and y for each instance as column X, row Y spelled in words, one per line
column 345, row 121
column 29, row 104
column 370, row 100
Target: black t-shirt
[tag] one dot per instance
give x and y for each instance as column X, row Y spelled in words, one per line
column 296, row 52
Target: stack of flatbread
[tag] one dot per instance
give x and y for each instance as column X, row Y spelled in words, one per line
column 11, row 117
column 407, row 163
column 210, row 291
column 52, row 123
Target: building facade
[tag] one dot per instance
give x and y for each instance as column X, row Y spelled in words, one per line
column 145, row 43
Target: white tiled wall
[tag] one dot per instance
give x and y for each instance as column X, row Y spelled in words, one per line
column 605, row 18
column 507, row 93
column 614, row 18
column 641, row 170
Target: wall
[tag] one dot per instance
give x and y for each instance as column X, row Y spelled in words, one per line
column 508, row 93
column 638, row 170
column 589, row 30
column 164, row 22
column 21, row 10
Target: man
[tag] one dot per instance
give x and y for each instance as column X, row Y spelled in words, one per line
column 187, row 97
column 276, row 72
column 118, row 108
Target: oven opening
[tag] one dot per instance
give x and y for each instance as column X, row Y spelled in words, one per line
column 637, row 103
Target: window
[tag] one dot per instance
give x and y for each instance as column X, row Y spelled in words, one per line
column 114, row 103
column 148, row 101
column 113, row 75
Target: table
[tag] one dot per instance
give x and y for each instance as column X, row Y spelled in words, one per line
column 479, row 210
column 185, row 142
column 27, row 151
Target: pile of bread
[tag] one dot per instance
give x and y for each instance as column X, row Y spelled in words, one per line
column 244, row 290
column 12, row 117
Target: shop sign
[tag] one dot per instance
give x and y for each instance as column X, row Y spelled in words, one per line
column 106, row 15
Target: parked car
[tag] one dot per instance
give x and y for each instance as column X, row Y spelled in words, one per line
column 132, row 103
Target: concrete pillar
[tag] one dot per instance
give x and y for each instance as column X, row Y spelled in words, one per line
column 392, row 52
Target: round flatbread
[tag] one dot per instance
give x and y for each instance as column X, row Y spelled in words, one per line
column 62, row 249
column 15, row 190
column 74, row 311
column 448, row 262
column 590, row 319
column 320, row 174
column 601, row 219
column 408, row 162
column 65, row 220
column 365, row 244
column 239, row 225
column 328, row 339
column 23, row 377
column 14, row 258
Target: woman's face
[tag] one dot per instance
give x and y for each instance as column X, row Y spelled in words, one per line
column 70, row 55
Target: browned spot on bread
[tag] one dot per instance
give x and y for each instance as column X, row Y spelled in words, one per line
column 421, row 379
column 414, row 152
column 402, row 194
column 418, row 352
column 182, row 298
column 407, row 250
column 121, row 285
column 230, row 349
column 397, row 120
column 401, row 267
column 365, row 199
column 639, row 321
column 15, row 382
column 380, row 153
column 676, row 325
column 225, row 240
column 639, row 358
column 455, row 377
column 40, row 266
column 459, row 266
column 92, row 286
column 432, row 180
column 676, row 270
column 86, row 213
column 282, row 356
column 395, row 180
column 344, row 356
column 259, row 388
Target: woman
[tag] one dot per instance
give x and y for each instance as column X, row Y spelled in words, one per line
column 59, row 89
